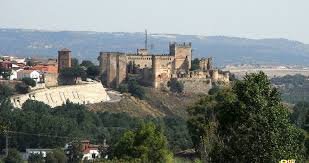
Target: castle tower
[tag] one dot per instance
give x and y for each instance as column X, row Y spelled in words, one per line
column 113, row 68
column 204, row 64
column 155, row 71
column 209, row 64
column 215, row 75
column 102, row 62
column 183, row 56
column 121, row 73
column 64, row 59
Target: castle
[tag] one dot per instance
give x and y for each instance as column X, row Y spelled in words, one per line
column 157, row 69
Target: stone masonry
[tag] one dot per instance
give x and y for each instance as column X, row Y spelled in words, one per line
column 64, row 59
column 56, row 96
column 157, row 69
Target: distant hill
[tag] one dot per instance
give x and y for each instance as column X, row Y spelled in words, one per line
column 87, row 45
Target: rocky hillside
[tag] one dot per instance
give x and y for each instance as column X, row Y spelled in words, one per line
column 156, row 104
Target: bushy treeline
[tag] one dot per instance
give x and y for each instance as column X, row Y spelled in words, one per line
column 74, row 121
column 247, row 123
column 294, row 88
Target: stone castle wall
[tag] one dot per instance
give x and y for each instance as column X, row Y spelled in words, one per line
column 157, row 70
column 113, row 68
column 82, row 94
column 51, row 79
column 196, row 85
column 140, row 61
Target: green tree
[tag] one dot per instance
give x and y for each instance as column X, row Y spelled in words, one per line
column 57, row 156
column 50, row 158
column 247, row 123
column 175, row 86
column 22, row 88
column 5, row 73
column 74, row 152
column 202, row 125
column 299, row 115
column 147, row 143
column 36, row 158
column 5, row 91
column 13, row 157
column 74, row 62
column 86, row 63
column 71, row 73
column 135, row 89
column 123, row 88
column 254, row 125
column 29, row 81
column 195, row 64
column 215, row 89
column 93, row 71
column 36, row 106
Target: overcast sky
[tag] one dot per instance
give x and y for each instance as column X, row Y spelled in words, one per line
column 242, row 18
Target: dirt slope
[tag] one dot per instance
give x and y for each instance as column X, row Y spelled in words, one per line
column 156, row 104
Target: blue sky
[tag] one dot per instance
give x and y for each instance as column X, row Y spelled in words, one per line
column 241, row 18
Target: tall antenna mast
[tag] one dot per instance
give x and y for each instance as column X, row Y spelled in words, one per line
column 146, row 39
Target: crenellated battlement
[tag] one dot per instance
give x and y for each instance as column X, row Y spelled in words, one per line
column 183, row 45
column 158, row 69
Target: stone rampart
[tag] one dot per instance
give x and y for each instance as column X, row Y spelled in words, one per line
column 196, row 85
column 56, row 96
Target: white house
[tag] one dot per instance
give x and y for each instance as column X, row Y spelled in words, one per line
column 91, row 154
column 90, row 151
column 28, row 152
column 33, row 74
column 13, row 75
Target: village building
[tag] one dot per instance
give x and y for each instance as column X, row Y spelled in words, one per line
column 46, row 68
column 33, row 74
column 5, row 64
column 90, row 151
column 31, row 151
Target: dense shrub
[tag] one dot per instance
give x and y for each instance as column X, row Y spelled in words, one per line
column 22, row 88
column 86, row 63
column 74, row 120
column 147, row 143
column 13, row 157
column 123, row 88
column 135, row 89
column 93, row 71
column 5, row 91
column 29, row 82
column 175, row 86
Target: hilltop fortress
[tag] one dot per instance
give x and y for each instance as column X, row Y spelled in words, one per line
column 157, row 69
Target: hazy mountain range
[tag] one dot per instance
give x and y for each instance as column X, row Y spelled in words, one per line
column 87, row 45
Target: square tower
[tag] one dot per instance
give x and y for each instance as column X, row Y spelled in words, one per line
column 64, row 59
column 183, row 56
